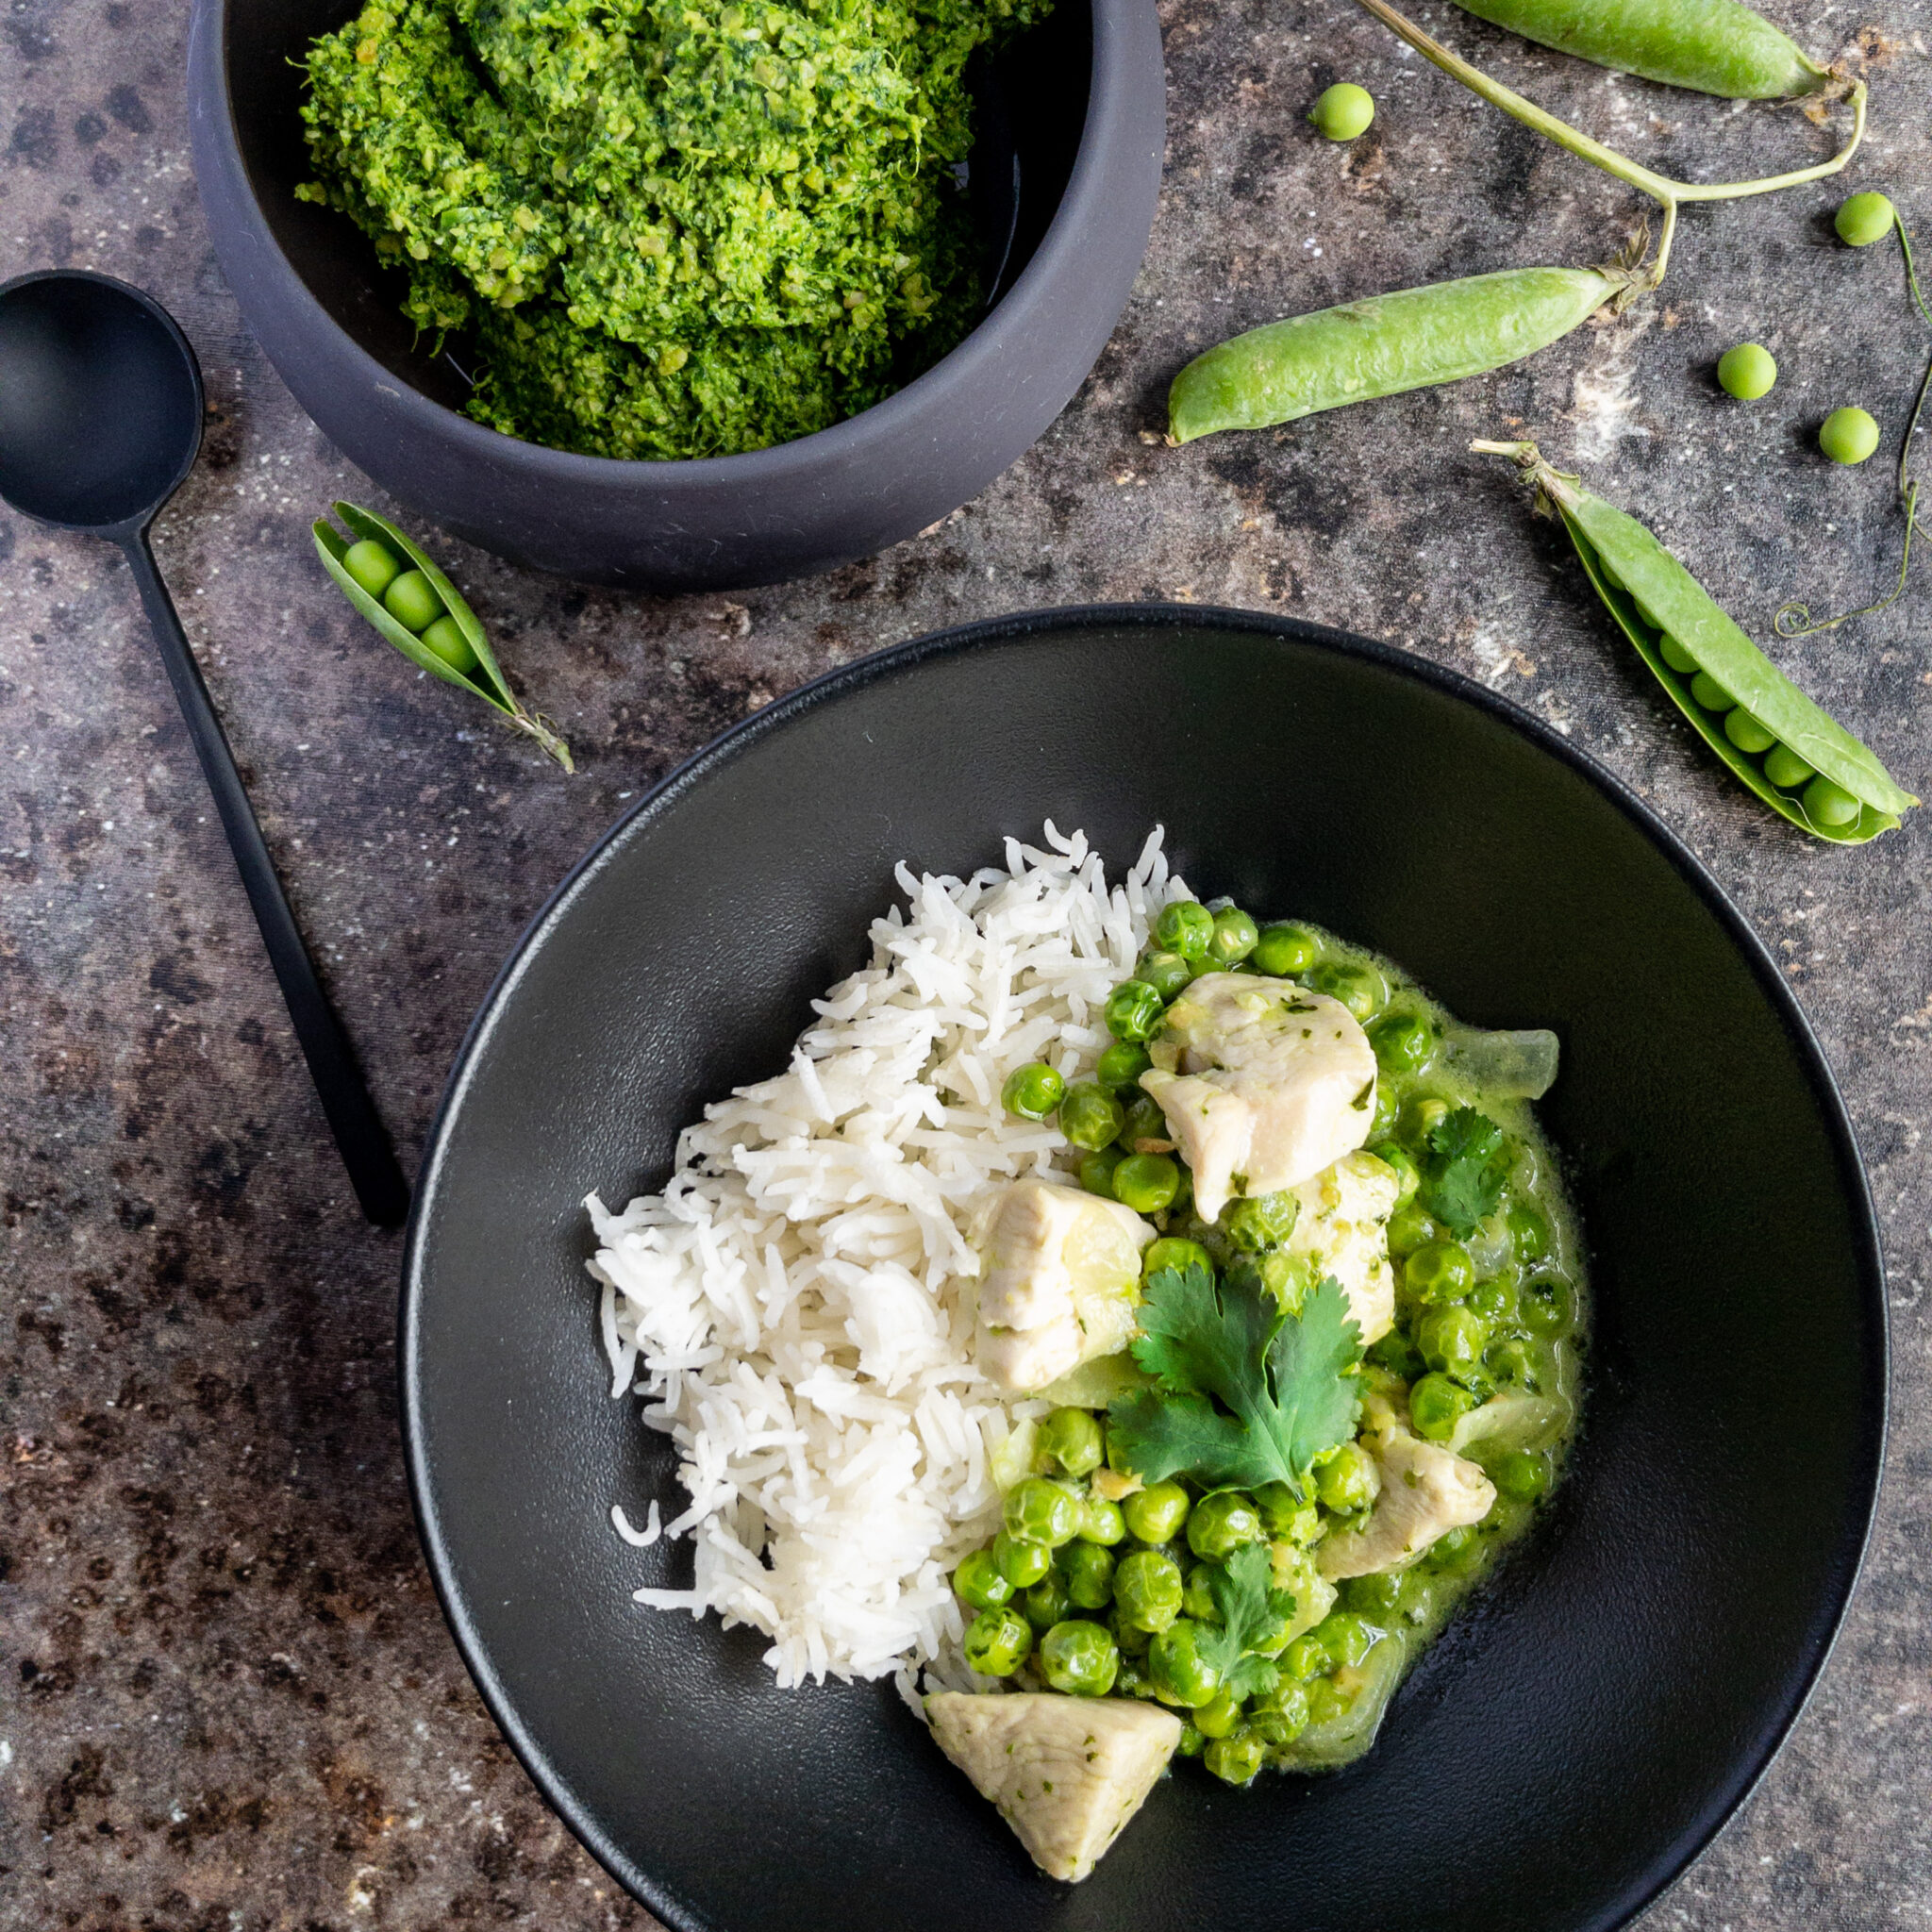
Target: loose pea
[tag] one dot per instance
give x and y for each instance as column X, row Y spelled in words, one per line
column 1441, row 1271
column 1132, row 1640
column 1402, row 1042
column 1133, row 1010
column 1710, row 694
column 1522, row 1477
column 1089, row 1571
column 1079, row 1658
column 1848, row 436
column 1146, row 1182
column 1747, row 734
column 1089, row 1115
column 1145, row 1122
column 1355, row 987
column 1396, row 1353
column 1235, row 937
column 1285, row 1514
column 1343, row 112
column 1181, row 1674
column 1346, row 1637
column 1421, row 1118
column 1863, row 219
column 1071, row 1439
column 1197, row 1594
column 1286, row 1706
column 1513, row 1362
column 445, row 637
column 1453, row 1550
column 1747, row 372
column 1218, row 1717
column 1547, row 1307
column 1032, row 1090
column 998, row 1643
column 1147, row 1589
column 1436, row 1405
column 1284, row 951
column 1451, row 1340
column 1347, row 1482
column 1155, row 1514
column 1378, row 1594
column 1530, row 1233
column 1412, row 1229
column 1096, row 1171
column 1388, row 1106
column 978, row 1581
column 1023, row 1564
column 1675, row 656
column 1235, row 1760
column 374, row 565
column 1786, row 769
column 1403, row 1162
column 1262, row 1221
column 1191, row 1742
column 411, row 600
column 1122, row 1064
column 1223, row 1524
column 1166, row 972
column 1171, row 1251
column 1185, row 927
column 1494, row 1301
column 1328, row 1701
column 1102, row 1523
column 1305, row 1658
column 1829, row 804
column 1046, row 1603
column 1286, row 1278
column 1040, row 1512
column 1133, row 1681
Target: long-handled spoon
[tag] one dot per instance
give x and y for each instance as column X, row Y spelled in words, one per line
column 100, row 422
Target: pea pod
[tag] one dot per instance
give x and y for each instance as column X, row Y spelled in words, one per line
column 483, row 678
column 1711, row 46
column 1693, row 645
column 1385, row 345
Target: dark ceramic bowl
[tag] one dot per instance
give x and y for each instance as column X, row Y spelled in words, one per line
column 1083, row 112
column 1595, row 1716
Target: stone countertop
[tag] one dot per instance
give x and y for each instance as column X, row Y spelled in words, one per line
column 230, row 1701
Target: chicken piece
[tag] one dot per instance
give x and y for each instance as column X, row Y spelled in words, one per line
column 1060, row 1283
column 1343, row 1229
column 1426, row 1492
column 1263, row 1083
column 1066, row 1772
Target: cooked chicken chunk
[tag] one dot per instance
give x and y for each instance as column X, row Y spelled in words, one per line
column 1426, row 1492
column 1263, row 1083
column 1059, row 1281
column 1066, row 1772
column 1343, row 1228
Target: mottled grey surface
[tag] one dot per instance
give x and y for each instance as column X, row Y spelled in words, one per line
column 230, row 1700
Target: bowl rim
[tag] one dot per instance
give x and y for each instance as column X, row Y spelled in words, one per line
column 961, row 640
column 967, row 362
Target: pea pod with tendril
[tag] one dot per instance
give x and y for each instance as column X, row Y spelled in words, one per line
column 466, row 661
column 1795, row 757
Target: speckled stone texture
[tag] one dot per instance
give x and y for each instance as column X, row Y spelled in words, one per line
column 229, row 1701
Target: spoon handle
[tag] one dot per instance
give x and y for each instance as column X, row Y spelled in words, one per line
column 352, row 1116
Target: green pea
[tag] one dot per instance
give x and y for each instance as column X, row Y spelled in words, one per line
column 1040, row 1512
column 1412, row 1229
column 1181, row 1674
column 1396, row 1353
column 1356, row 988
column 1145, row 1122
column 1848, row 436
column 1132, row 1640
column 1023, row 1564
column 1236, row 1761
column 1103, row 1523
column 1284, row 1716
column 1523, row 1475
column 1046, row 1603
column 1089, row 1115
column 1286, row 1516
column 1089, row 1571
column 1133, row 1681
column 1032, row 1090
column 1071, row 1439
column 374, row 565
column 445, row 637
column 1675, row 656
column 1166, row 972
column 1830, row 804
column 1147, row 1589
column 1494, row 1301
column 1171, row 1251
column 1346, row 1637
column 1218, row 1717
column 1343, row 112
column 1441, row 1271
column 1235, row 937
column 1747, row 734
column 1123, row 1063
column 1346, row 1482
column 1185, row 927
column 1286, row 1278
column 1421, row 1118
column 1455, row 1551
column 1096, row 1171
column 412, row 601
column 1224, row 1523
column 1156, row 1514
column 1402, row 1165
column 1529, row 1232
column 1133, row 1010
column 1451, row 1340
column 1378, row 1594
column 1146, row 1182
column 1284, row 951
column 1786, row 769
column 1865, row 218
column 1547, row 1307
column 1197, row 1594
column 1436, row 1405
column 1747, row 372
column 1710, row 694
column 1262, row 1221
column 978, row 1581
column 1191, row 1742
column 1510, row 1361
column 1388, row 1106
column 1079, row 1658
column 998, row 1643
column 1403, row 1042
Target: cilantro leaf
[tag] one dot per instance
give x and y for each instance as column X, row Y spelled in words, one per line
column 1463, row 1169
column 1252, row 1610
column 1245, row 1392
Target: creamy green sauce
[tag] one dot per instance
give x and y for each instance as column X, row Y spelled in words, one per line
column 669, row 231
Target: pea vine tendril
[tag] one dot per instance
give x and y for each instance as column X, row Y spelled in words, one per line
column 1795, row 620
column 1669, row 193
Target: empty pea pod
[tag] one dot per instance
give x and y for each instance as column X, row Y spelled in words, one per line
column 393, row 582
column 1385, row 345
column 1795, row 757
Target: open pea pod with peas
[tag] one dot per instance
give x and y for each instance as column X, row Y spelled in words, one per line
column 1794, row 756
column 394, row 583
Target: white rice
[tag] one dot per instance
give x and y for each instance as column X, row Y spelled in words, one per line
column 796, row 1307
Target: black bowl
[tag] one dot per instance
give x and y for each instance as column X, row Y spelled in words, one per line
column 1596, row 1715
column 1083, row 100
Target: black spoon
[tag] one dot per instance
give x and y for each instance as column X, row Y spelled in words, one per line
column 100, row 422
